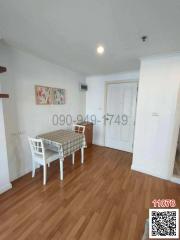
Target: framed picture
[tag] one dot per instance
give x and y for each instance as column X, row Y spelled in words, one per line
column 43, row 95
column 58, row 96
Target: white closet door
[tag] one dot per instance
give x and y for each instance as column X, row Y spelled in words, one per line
column 120, row 115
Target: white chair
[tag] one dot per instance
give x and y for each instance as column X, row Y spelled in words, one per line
column 78, row 129
column 41, row 156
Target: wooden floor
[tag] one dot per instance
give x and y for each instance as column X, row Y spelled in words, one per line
column 102, row 199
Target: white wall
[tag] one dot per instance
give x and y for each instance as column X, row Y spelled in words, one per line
column 95, row 99
column 23, row 117
column 4, row 170
column 157, row 118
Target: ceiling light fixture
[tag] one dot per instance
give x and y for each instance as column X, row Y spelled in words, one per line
column 100, row 49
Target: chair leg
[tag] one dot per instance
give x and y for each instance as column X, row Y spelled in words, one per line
column 61, row 168
column 73, row 157
column 44, row 174
column 48, row 164
column 33, row 169
column 82, row 155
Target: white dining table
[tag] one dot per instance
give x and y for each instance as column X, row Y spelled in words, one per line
column 65, row 142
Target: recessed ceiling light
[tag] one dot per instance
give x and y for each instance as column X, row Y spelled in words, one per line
column 100, row 49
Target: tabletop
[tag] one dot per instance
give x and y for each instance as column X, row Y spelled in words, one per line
column 64, row 141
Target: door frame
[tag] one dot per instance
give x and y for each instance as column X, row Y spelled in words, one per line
column 174, row 141
column 105, row 101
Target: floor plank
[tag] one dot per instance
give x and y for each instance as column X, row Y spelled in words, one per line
column 102, row 199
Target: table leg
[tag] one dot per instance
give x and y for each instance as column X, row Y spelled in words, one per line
column 44, row 174
column 61, row 168
column 33, row 168
column 82, row 155
column 73, row 157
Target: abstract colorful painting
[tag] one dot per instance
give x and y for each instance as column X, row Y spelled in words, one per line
column 58, row 96
column 43, row 95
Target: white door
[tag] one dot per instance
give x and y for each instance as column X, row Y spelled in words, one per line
column 120, row 115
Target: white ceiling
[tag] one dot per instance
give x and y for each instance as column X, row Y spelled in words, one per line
column 67, row 31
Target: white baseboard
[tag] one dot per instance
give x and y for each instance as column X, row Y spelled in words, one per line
column 175, row 179
column 5, row 188
column 21, row 173
column 140, row 169
column 97, row 144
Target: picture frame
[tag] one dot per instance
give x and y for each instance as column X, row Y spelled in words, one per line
column 43, row 95
column 58, row 96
